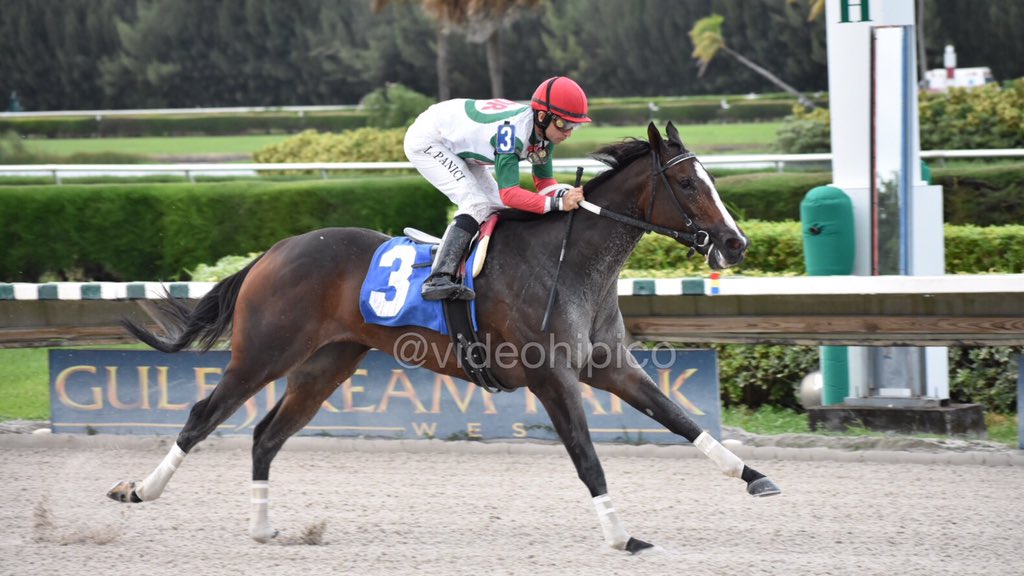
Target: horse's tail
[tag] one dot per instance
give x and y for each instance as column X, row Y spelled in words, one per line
column 207, row 322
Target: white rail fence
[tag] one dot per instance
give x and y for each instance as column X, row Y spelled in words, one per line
column 100, row 114
column 779, row 161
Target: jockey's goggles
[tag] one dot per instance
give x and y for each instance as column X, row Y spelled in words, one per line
column 564, row 125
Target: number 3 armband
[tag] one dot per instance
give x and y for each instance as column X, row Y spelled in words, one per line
column 505, row 139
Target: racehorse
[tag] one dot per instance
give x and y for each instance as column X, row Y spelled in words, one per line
column 295, row 312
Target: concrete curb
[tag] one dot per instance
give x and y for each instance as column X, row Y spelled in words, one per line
column 159, row 444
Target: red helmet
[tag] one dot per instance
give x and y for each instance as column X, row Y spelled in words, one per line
column 563, row 97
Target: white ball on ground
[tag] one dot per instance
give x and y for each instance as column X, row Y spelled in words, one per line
column 810, row 390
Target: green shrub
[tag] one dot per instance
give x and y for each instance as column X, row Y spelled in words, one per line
column 361, row 145
column 987, row 116
column 394, row 106
column 805, row 132
column 986, row 376
column 13, row 150
column 755, row 375
column 224, row 267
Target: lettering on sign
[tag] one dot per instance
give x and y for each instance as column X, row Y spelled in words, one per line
column 148, row 392
column 844, row 10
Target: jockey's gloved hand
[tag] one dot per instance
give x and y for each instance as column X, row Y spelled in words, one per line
column 563, row 197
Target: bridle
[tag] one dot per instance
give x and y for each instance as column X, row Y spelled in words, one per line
column 698, row 240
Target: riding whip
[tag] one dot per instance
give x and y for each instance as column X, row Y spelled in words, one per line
column 561, row 257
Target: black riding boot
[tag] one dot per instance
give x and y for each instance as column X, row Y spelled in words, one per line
column 441, row 284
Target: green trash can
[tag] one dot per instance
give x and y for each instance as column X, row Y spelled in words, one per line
column 926, row 173
column 826, row 217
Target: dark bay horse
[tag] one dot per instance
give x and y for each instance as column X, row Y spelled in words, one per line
column 294, row 312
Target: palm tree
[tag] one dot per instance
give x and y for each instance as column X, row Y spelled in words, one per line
column 816, row 9
column 707, row 39
column 481, row 21
column 444, row 13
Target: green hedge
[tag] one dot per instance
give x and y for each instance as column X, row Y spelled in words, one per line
column 687, row 111
column 139, row 231
column 753, row 375
column 158, row 231
column 983, row 195
column 777, row 248
column 691, row 111
column 178, row 125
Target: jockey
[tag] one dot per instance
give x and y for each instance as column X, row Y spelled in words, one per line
column 453, row 143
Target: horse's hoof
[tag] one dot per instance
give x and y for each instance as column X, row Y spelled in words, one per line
column 124, row 491
column 263, row 536
column 763, row 487
column 635, row 546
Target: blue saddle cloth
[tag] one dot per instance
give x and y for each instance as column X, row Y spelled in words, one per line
column 390, row 295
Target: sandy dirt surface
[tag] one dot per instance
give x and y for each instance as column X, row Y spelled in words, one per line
column 428, row 507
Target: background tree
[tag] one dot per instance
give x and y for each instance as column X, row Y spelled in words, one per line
column 707, row 39
column 481, row 22
column 51, row 50
column 91, row 54
column 625, row 48
column 444, row 13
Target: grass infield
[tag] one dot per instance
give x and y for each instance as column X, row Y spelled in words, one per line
column 747, row 138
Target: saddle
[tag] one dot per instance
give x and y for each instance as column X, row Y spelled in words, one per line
column 474, row 358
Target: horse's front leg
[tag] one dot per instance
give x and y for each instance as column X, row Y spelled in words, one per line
column 561, row 398
column 621, row 376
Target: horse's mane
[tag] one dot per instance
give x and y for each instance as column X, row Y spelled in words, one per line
column 616, row 156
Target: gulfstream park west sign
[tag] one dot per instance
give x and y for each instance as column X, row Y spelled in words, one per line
column 148, row 392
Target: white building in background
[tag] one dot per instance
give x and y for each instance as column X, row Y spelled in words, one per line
column 938, row 80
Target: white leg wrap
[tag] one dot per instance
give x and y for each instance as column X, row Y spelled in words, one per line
column 153, row 486
column 730, row 463
column 259, row 523
column 614, row 534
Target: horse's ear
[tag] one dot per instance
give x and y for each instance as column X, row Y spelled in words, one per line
column 673, row 135
column 654, row 137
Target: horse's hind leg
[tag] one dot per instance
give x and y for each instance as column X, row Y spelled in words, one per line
column 564, row 406
column 240, row 382
column 309, row 385
column 634, row 386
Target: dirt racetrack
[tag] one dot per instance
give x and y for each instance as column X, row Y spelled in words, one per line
column 428, row 507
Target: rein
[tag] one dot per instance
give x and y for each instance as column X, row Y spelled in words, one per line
column 697, row 239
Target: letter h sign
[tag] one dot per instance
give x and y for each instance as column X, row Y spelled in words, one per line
column 844, row 10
